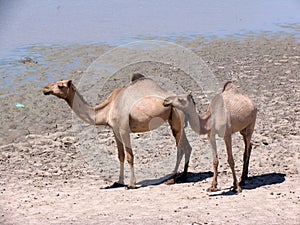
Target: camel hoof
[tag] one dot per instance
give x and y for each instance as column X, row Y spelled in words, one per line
column 236, row 189
column 239, row 189
column 130, row 187
column 115, row 185
column 170, row 181
column 212, row 189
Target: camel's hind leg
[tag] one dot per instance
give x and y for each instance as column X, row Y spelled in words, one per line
column 228, row 144
column 247, row 134
column 180, row 152
column 187, row 152
column 121, row 156
column 184, row 148
column 129, row 155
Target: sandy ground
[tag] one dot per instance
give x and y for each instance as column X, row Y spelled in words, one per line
column 53, row 172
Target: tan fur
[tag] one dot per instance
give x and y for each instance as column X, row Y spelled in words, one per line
column 229, row 112
column 135, row 108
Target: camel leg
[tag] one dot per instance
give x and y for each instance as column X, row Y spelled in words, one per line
column 130, row 160
column 230, row 160
column 121, row 156
column 178, row 160
column 129, row 155
column 182, row 145
column 213, row 144
column 187, row 149
column 247, row 134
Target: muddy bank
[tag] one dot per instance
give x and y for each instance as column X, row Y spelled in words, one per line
column 42, row 159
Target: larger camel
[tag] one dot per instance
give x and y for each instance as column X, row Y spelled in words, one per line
column 229, row 112
column 136, row 107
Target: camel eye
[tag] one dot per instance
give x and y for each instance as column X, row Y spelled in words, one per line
column 181, row 100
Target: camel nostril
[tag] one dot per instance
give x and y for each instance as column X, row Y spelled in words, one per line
column 46, row 92
column 166, row 103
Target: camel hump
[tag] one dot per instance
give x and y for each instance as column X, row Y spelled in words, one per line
column 228, row 85
column 136, row 76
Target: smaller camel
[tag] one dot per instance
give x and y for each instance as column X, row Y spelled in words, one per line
column 229, row 112
column 137, row 107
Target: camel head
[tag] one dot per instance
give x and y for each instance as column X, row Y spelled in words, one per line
column 183, row 103
column 180, row 102
column 60, row 89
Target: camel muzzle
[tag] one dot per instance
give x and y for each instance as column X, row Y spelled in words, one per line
column 166, row 103
column 46, row 92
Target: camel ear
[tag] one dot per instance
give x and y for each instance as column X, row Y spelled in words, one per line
column 69, row 83
column 60, row 85
column 191, row 97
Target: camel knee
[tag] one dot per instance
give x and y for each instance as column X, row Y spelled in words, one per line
column 230, row 161
column 215, row 162
column 121, row 156
column 130, row 158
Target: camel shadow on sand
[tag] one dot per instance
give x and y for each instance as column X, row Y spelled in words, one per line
column 256, row 182
column 190, row 178
column 250, row 184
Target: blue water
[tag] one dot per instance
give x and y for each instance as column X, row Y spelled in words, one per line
column 26, row 23
column 29, row 22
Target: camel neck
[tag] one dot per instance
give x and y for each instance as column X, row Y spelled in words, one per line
column 199, row 124
column 82, row 109
column 193, row 119
column 205, row 123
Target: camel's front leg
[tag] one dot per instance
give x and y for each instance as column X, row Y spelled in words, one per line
column 178, row 160
column 213, row 144
column 130, row 158
column 184, row 143
column 177, row 133
column 183, row 147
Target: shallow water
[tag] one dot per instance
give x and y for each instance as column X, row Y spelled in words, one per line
column 60, row 22
column 52, row 23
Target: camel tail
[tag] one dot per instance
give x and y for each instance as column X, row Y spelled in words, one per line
column 228, row 85
column 136, row 76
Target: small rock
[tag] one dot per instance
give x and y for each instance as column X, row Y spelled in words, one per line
column 283, row 60
column 288, row 72
column 28, row 60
